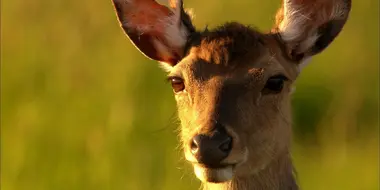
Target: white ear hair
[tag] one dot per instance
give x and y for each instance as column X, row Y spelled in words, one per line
column 175, row 33
column 304, row 63
column 165, row 66
column 309, row 26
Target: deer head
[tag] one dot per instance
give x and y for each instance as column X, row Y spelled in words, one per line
column 232, row 84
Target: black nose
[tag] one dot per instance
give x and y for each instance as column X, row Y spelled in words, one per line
column 211, row 149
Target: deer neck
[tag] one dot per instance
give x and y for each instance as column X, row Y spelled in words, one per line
column 279, row 175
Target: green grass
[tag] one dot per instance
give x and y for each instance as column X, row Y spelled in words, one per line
column 81, row 108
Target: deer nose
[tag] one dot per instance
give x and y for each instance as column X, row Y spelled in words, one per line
column 211, row 149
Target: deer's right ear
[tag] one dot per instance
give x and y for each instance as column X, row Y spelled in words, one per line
column 159, row 32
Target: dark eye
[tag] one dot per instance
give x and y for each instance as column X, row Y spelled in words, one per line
column 177, row 84
column 275, row 84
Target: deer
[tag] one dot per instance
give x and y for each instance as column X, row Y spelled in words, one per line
column 233, row 84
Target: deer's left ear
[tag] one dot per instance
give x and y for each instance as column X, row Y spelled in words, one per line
column 308, row 26
column 159, row 32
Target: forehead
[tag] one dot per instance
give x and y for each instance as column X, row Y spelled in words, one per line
column 233, row 49
column 226, row 44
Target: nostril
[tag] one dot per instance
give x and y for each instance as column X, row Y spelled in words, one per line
column 194, row 145
column 211, row 149
column 226, row 145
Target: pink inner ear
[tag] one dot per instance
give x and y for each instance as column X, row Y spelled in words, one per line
column 146, row 16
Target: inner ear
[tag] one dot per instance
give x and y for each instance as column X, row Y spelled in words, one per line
column 289, row 52
column 308, row 27
column 159, row 32
column 327, row 33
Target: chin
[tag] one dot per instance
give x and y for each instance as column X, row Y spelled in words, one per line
column 214, row 175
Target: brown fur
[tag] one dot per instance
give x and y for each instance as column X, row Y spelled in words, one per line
column 216, row 45
column 225, row 71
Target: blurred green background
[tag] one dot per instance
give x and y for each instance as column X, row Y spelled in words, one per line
column 81, row 108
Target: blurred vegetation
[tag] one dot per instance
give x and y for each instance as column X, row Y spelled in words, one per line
column 81, row 108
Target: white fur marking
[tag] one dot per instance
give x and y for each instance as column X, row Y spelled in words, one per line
column 215, row 174
column 304, row 63
column 165, row 66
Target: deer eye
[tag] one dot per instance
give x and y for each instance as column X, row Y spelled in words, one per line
column 275, row 84
column 177, row 84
